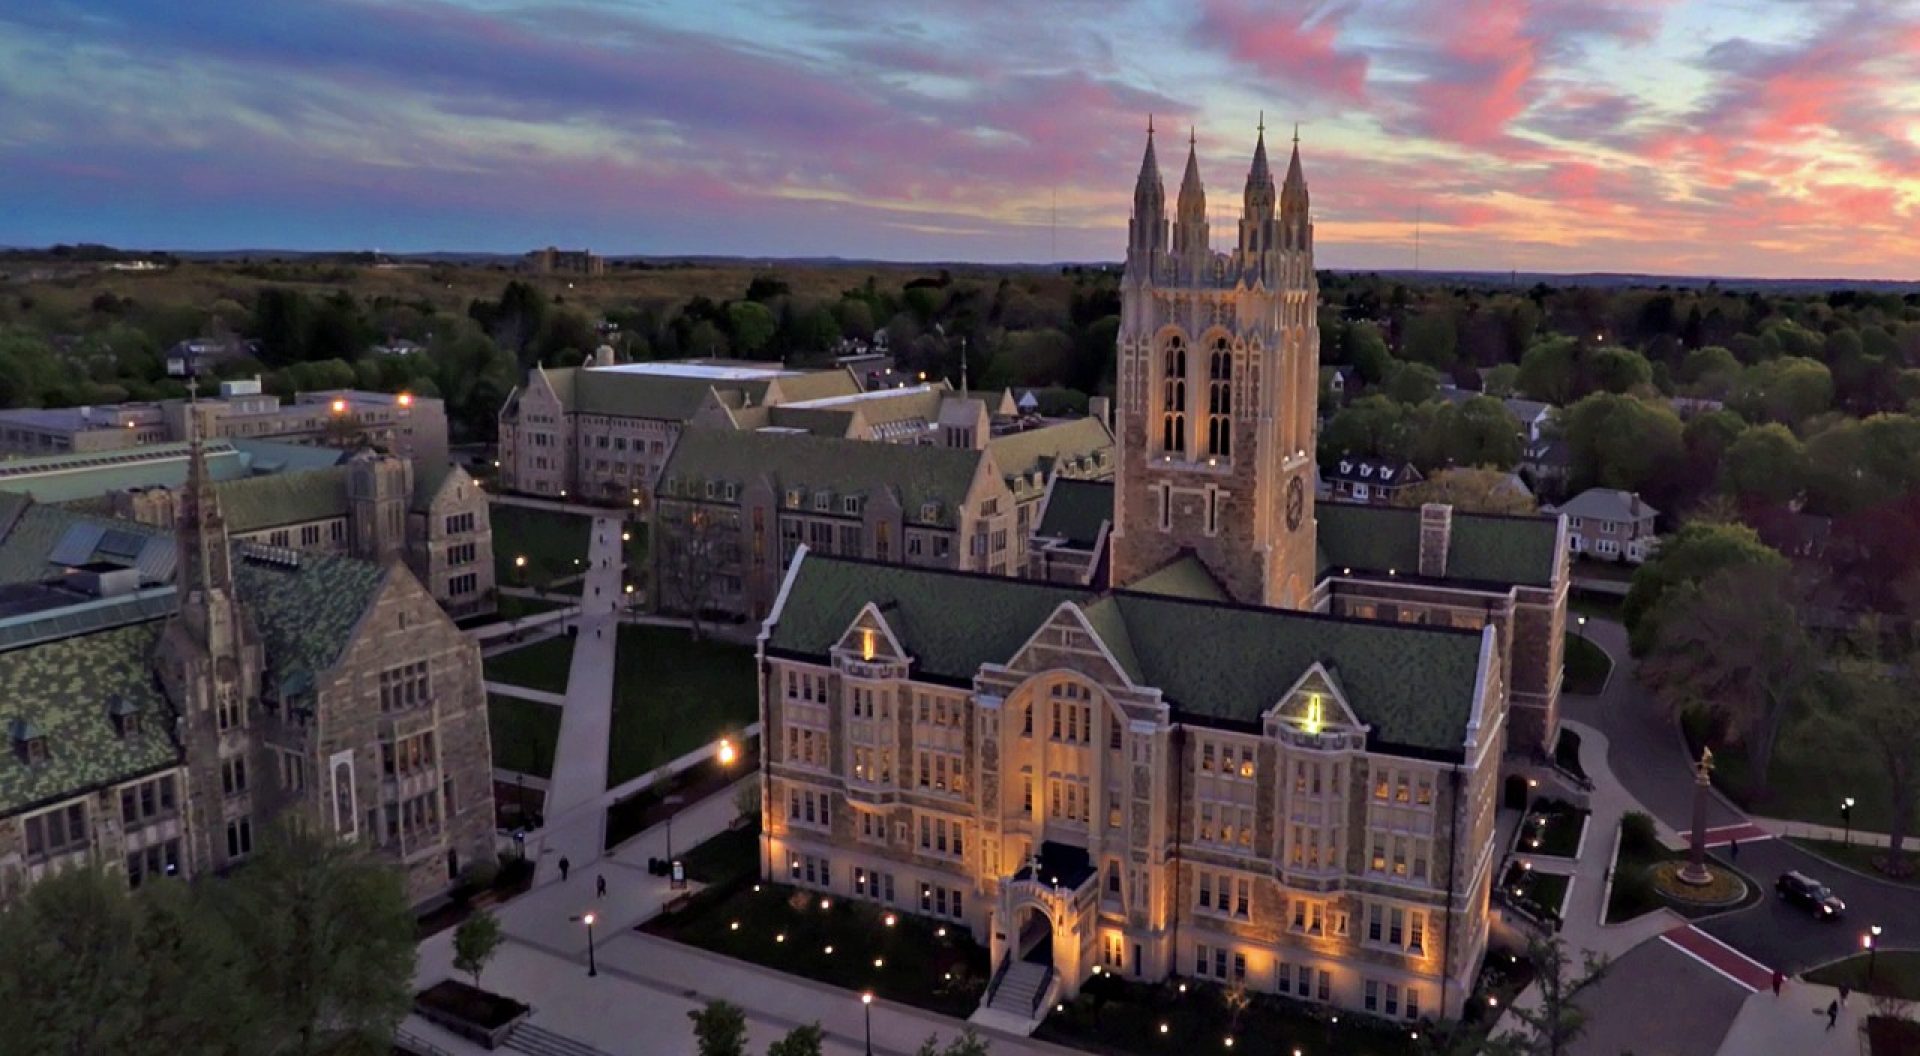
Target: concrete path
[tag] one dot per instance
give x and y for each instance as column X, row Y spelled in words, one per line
column 580, row 757
column 1795, row 1023
column 541, row 696
column 645, row 986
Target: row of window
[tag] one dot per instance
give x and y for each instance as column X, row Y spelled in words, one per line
column 150, row 800
column 463, row 584
column 810, row 808
column 407, row 756
column 1228, row 762
column 1226, row 825
column 1225, row 894
column 404, row 686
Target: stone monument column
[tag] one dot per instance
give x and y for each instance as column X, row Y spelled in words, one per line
column 1696, row 871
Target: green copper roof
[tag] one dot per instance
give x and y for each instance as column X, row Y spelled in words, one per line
column 920, row 474
column 306, row 614
column 1485, row 547
column 1183, row 577
column 284, row 498
column 63, row 690
column 1413, row 684
column 1076, row 510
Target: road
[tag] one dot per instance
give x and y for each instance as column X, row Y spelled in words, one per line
column 1647, row 755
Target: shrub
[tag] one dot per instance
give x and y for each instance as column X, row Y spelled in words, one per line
column 1638, row 837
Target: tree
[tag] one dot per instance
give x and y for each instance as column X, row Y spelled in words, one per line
column 328, row 942
column 1887, row 722
column 1557, row 1021
column 1619, row 369
column 1619, row 441
column 967, row 1043
column 1548, row 370
column 1501, row 381
column 751, row 325
column 1766, row 464
column 1367, row 351
column 1412, row 383
column 1788, row 390
column 1470, row 490
column 692, row 548
column 803, row 1040
column 475, row 942
column 1710, row 371
column 1692, row 555
column 1732, row 647
column 1432, row 339
column 720, row 1029
column 1479, row 432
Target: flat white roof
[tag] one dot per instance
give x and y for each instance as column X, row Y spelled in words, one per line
column 696, row 370
column 835, row 401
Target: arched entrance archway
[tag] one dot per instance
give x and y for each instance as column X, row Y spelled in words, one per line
column 1033, row 935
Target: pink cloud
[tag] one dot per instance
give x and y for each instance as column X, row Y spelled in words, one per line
column 1290, row 43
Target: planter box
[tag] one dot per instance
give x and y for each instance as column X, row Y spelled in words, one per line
column 477, row 1015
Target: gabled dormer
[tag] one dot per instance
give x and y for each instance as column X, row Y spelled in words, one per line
column 869, row 648
column 29, row 741
column 125, row 715
column 1314, row 713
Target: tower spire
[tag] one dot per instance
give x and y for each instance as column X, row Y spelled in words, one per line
column 205, row 562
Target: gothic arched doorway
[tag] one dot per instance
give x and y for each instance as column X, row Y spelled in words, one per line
column 1033, row 936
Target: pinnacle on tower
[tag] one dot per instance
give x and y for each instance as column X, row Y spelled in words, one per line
column 1260, row 175
column 1193, row 194
column 204, row 562
column 1149, row 165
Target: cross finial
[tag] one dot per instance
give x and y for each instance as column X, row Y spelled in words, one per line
column 1190, row 139
column 1296, row 133
column 1263, row 122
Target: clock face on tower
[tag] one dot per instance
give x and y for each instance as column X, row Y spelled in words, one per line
column 1296, row 504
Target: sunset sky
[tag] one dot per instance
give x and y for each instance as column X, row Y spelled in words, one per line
column 1734, row 137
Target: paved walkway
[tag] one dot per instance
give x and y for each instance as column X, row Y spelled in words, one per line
column 574, row 819
column 646, row 986
column 541, row 696
column 1795, row 1023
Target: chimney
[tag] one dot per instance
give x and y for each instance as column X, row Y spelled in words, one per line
column 1101, row 407
column 1436, row 534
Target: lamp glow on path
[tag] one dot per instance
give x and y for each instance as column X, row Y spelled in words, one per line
column 727, row 752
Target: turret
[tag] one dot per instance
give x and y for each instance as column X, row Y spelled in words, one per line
column 1293, row 202
column 1147, row 231
column 1190, row 226
column 1256, row 218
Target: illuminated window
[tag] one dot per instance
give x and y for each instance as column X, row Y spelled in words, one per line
column 1220, row 400
column 1173, row 396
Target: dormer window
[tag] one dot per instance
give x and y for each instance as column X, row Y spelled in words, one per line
column 29, row 742
column 793, row 499
column 929, row 511
column 822, row 501
column 850, row 505
column 124, row 714
column 731, row 491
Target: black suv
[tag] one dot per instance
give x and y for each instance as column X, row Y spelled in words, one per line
column 1809, row 894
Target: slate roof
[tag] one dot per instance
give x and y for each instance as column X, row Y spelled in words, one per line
column 1183, row 577
column 631, row 394
column 427, row 482
column 1213, row 662
column 29, row 531
column 63, row 688
column 1076, row 510
column 1608, row 504
column 1483, row 547
column 307, row 613
column 89, row 475
column 918, row 473
column 1052, row 448
column 283, row 498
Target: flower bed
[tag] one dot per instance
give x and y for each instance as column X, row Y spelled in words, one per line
column 1553, row 828
column 477, row 1015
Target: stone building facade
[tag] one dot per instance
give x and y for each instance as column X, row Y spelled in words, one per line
column 1265, row 751
column 218, row 686
column 374, row 507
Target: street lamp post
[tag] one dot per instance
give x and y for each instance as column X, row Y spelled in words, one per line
column 1872, row 942
column 1581, row 621
column 671, row 802
column 593, row 967
column 1846, row 818
column 866, row 1002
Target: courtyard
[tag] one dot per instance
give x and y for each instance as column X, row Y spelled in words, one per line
column 541, row 665
column 672, row 694
column 553, row 544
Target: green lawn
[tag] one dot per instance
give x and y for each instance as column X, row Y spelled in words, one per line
column 541, row 665
column 554, row 544
column 672, row 694
column 1896, row 973
column 524, row 734
column 510, row 607
column 1123, row 1018
column 633, row 551
column 1818, row 761
column 1542, row 893
column 728, row 858
column 1587, row 665
column 923, row 962
column 1866, row 859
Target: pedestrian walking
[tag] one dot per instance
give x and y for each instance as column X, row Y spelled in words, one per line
column 1733, row 850
column 1833, row 1013
column 600, row 887
column 564, row 866
column 1778, row 978
column 1844, row 991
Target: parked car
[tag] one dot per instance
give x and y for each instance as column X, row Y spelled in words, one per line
column 1809, row 894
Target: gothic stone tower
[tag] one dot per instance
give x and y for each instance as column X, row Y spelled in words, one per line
column 210, row 665
column 1218, row 383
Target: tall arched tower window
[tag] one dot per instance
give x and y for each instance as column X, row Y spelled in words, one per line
column 1173, row 398
column 1220, row 400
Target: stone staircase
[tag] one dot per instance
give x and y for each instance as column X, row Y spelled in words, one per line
column 538, row 1041
column 1018, row 1003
